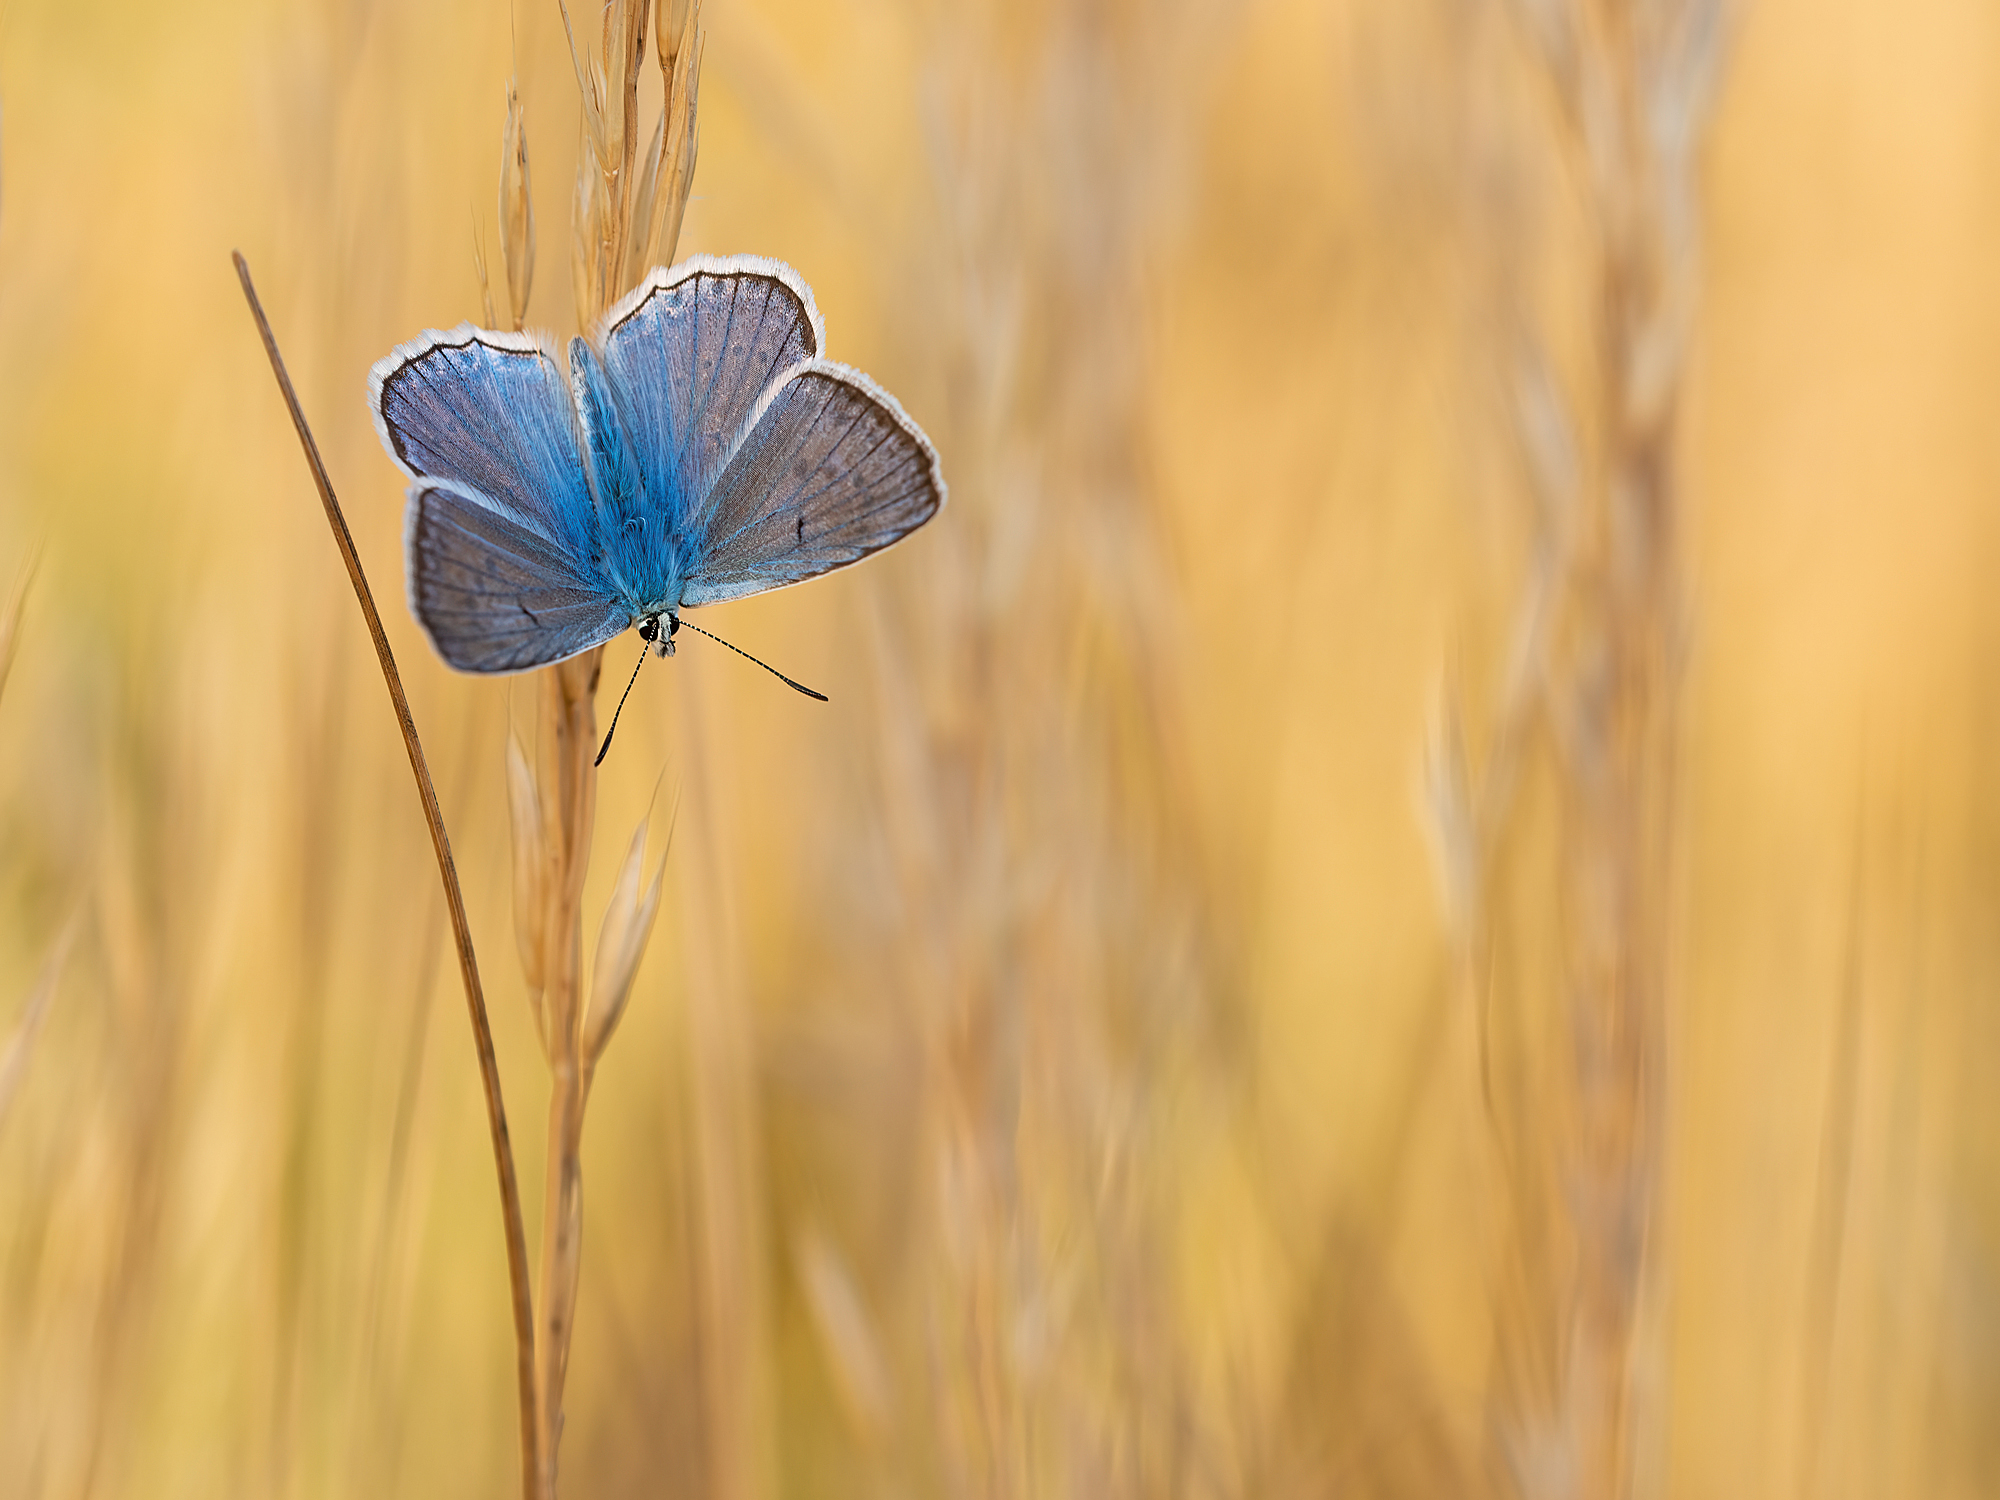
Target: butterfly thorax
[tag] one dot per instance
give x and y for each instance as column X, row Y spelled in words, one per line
column 639, row 501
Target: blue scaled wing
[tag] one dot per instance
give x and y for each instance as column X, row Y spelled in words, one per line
column 493, row 594
column 830, row 470
column 500, row 533
column 691, row 351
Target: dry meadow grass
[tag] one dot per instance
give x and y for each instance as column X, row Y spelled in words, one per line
column 1396, row 900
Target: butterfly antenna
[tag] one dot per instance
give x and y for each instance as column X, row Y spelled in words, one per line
column 800, row 686
column 605, row 749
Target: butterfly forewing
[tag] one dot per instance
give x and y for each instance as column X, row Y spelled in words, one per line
column 691, row 351
column 493, row 412
column 831, row 471
column 494, row 595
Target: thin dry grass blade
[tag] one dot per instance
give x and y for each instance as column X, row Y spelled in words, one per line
column 475, row 999
column 14, row 1060
column 847, row 1335
column 589, row 88
column 485, row 281
column 10, row 626
column 1828, row 1249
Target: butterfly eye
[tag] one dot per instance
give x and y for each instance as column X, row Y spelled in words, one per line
column 649, row 628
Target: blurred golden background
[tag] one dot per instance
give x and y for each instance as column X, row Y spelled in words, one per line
column 1120, row 1045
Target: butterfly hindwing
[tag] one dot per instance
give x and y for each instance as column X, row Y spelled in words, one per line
column 830, row 471
column 493, row 594
column 691, row 351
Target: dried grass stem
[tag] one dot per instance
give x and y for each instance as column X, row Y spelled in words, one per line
column 620, row 208
column 468, row 964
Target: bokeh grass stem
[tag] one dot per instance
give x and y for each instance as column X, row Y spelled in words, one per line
column 10, row 626
column 14, row 1055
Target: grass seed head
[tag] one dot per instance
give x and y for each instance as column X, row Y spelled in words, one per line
column 621, row 943
column 517, row 212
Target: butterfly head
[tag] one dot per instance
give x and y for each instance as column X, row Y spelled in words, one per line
column 661, row 640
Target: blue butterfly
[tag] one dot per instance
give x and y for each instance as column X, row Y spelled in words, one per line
column 698, row 449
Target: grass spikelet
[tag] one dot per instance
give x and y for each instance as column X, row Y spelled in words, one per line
column 669, row 172
column 517, row 211
column 606, row 180
column 621, row 943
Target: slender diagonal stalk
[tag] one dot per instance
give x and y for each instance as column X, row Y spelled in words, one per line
column 468, row 965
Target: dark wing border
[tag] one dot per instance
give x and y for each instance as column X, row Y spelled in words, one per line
column 666, row 278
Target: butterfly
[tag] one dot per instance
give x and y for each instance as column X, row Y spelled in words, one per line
column 696, row 448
